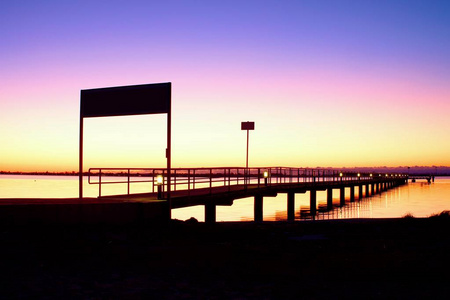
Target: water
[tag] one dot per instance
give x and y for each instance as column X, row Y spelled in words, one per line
column 419, row 199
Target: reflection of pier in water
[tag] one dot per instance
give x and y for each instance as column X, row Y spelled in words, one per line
column 361, row 208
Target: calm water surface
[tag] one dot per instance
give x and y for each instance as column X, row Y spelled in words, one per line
column 419, row 199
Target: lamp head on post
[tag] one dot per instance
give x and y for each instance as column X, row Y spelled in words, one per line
column 266, row 176
column 159, row 183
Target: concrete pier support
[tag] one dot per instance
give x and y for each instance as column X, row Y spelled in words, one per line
column 291, row 206
column 367, row 190
column 373, row 188
column 330, row 198
column 313, row 202
column 352, row 193
column 360, row 192
column 210, row 213
column 342, row 196
column 258, row 208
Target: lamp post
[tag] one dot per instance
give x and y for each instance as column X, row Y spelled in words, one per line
column 247, row 126
column 266, row 176
column 159, row 183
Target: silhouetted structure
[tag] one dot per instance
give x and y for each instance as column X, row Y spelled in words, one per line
column 122, row 101
column 221, row 186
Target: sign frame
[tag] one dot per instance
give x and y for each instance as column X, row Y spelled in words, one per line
column 155, row 98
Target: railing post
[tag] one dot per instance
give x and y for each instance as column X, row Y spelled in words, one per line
column 229, row 179
column 128, row 182
column 174, row 180
column 189, row 182
column 259, row 176
column 210, row 181
column 153, row 180
column 99, row 182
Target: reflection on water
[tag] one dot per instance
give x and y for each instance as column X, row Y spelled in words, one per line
column 419, row 199
column 48, row 186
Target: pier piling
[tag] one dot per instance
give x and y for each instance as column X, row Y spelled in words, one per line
column 258, row 208
column 330, row 198
column 342, row 196
column 313, row 202
column 352, row 193
column 210, row 213
column 291, row 206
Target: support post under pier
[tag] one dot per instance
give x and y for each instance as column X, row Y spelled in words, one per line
column 342, row 194
column 313, row 202
column 329, row 198
column 210, row 213
column 291, row 206
column 258, row 208
column 352, row 193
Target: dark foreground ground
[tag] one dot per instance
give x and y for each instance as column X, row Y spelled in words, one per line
column 364, row 259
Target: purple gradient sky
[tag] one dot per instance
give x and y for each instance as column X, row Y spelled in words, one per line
column 328, row 83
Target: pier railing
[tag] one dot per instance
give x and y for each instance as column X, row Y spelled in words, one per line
column 190, row 179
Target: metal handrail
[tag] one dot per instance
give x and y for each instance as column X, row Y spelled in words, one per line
column 195, row 178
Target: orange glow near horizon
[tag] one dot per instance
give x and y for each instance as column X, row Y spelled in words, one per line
column 140, row 141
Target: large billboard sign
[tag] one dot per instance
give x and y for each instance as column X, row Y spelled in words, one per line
column 124, row 101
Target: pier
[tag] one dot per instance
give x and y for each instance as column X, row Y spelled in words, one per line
column 213, row 187
column 170, row 188
column 209, row 187
column 429, row 178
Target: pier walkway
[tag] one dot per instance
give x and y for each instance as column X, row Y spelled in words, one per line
column 221, row 186
column 209, row 187
column 149, row 195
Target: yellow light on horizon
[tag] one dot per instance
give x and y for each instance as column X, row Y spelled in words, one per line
column 266, row 174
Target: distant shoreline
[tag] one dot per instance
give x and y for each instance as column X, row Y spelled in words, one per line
column 419, row 171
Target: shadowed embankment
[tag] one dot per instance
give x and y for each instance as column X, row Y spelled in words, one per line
column 376, row 258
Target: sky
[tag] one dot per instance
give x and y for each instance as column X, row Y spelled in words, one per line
column 327, row 83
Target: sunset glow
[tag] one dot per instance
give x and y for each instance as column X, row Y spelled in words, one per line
column 327, row 84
